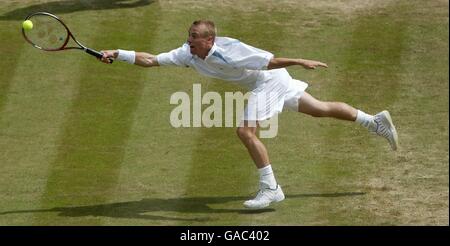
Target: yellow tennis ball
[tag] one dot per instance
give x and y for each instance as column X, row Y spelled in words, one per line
column 27, row 25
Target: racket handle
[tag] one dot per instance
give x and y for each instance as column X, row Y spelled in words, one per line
column 96, row 54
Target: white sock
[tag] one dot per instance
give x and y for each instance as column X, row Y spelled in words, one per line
column 365, row 120
column 267, row 177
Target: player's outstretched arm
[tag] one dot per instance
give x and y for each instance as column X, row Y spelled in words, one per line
column 145, row 60
column 142, row 59
column 280, row 62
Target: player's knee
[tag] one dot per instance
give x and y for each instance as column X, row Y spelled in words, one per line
column 245, row 133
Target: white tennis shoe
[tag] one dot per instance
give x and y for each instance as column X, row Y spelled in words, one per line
column 265, row 197
column 385, row 128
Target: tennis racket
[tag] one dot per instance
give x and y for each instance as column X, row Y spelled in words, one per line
column 49, row 33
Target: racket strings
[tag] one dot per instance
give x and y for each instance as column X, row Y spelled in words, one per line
column 47, row 33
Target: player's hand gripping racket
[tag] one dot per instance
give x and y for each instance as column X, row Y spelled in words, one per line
column 49, row 33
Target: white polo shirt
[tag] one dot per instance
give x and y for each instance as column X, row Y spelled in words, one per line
column 229, row 59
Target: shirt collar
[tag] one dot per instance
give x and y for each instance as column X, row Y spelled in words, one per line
column 211, row 51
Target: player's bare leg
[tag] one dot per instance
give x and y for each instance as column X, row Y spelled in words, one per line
column 311, row 106
column 269, row 191
column 380, row 124
column 255, row 147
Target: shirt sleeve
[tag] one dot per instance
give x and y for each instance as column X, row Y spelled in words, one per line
column 249, row 57
column 176, row 57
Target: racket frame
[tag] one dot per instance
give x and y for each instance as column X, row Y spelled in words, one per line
column 69, row 35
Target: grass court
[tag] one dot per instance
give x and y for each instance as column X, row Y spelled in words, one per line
column 85, row 143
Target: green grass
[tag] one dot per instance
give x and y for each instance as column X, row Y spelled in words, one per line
column 84, row 143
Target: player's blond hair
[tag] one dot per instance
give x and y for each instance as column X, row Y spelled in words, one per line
column 210, row 27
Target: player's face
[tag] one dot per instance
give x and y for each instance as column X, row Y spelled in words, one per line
column 199, row 43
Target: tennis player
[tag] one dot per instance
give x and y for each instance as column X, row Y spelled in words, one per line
column 271, row 87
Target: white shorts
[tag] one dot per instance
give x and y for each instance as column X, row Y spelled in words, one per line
column 277, row 92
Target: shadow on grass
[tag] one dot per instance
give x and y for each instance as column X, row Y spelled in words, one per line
column 62, row 7
column 137, row 209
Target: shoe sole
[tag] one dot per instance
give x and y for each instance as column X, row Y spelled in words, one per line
column 394, row 145
column 277, row 199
